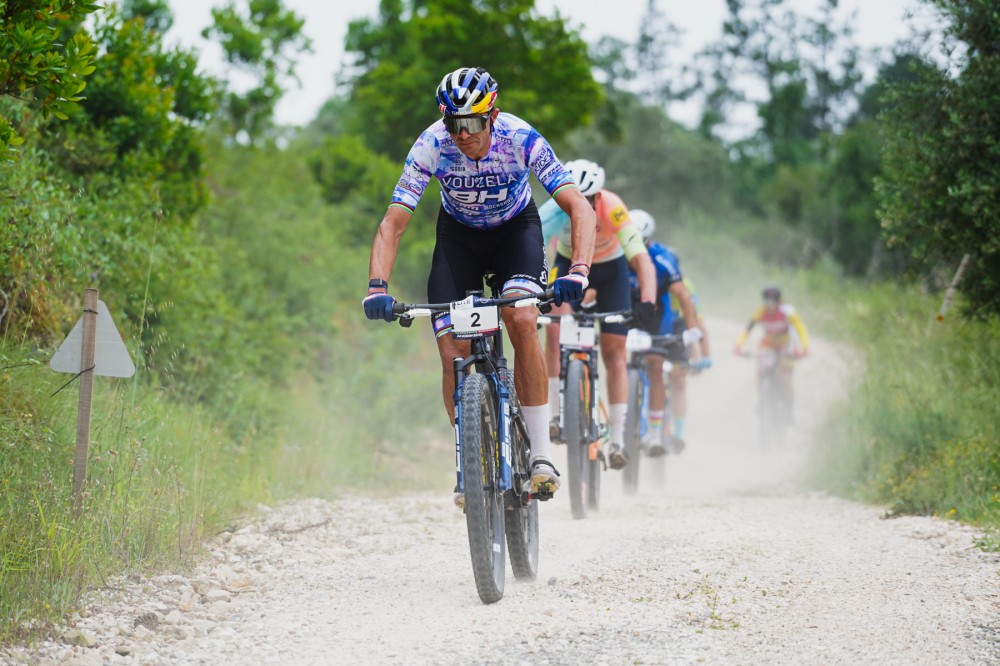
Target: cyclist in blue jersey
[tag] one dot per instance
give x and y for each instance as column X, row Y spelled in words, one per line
column 677, row 313
column 487, row 222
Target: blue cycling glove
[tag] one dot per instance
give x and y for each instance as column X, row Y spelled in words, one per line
column 703, row 363
column 569, row 288
column 378, row 306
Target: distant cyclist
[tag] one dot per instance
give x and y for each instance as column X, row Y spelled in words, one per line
column 617, row 247
column 487, row 221
column 677, row 313
column 784, row 334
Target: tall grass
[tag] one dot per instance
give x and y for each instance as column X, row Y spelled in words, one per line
column 920, row 431
column 164, row 474
column 145, row 504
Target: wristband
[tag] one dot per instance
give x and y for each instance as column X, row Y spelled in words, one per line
column 584, row 266
column 378, row 283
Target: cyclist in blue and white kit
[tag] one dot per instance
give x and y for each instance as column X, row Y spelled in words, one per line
column 488, row 221
column 677, row 314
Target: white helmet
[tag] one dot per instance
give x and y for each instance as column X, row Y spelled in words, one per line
column 644, row 222
column 589, row 176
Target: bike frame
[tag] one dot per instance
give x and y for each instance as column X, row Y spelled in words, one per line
column 589, row 355
column 486, row 357
column 501, row 510
column 659, row 346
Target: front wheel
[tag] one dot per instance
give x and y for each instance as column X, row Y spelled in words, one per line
column 484, row 510
column 576, row 403
column 633, row 431
column 594, row 468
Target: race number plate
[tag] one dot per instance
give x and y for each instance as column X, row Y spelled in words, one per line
column 638, row 340
column 469, row 320
column 571, row 334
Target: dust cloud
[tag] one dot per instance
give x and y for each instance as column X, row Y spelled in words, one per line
column 724, row 456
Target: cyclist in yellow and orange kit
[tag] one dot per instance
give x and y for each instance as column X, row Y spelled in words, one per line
column 784, row 334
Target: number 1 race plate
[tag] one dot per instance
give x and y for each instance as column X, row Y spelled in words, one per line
column 469, row 320
column 571, row 334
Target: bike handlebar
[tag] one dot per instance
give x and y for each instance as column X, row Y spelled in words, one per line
column 658, row 345
column 404, row 311
column 619, row 317
column 783, row 353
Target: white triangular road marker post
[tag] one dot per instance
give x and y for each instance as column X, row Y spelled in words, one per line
column 93, row 347
column 111, row 357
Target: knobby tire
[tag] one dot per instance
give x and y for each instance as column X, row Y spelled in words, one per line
column 575, row 418
column 594, row 469
column 484, row 509
column 521, row 523
column 633, row 431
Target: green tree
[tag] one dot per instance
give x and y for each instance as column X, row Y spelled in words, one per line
column 263, row 41
column 142, row 114
column 808, row 69
column 36, row 66
column 540, row 64
column 657, row 165
column 657, row 37
column 844, row 216
column 941, row 186
column 350, row 173
column 609, row 58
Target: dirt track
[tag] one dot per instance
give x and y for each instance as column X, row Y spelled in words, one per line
column 729, row 564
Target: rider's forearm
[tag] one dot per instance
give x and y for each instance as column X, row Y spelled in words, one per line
column 800, row 328
column 583, row 222
column 687, row 304
column 646, row 271
column 386, row 244
column 705, row 351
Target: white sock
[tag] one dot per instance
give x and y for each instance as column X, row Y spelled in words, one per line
column 655, row 424
column 537, row 420
column 617, row 414
column 553, row 398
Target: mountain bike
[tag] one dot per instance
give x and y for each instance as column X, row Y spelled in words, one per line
column 583, row 417
column 640, row 346
column 492, row 448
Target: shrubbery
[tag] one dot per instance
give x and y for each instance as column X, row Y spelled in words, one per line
column 920, row 432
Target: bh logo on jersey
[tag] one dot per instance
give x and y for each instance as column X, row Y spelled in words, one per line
column 478, row 189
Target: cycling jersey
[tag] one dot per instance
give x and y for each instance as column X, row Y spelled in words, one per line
column 668, row 272
column 482, row 193
column 783, row 329
column 615, row 235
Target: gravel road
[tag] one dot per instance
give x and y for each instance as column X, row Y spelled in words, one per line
column 729, row 563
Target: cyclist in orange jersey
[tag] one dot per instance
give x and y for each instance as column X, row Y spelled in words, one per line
column 617, row 247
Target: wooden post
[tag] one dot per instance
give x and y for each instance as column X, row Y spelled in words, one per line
column 949, row 294
column 86, row 396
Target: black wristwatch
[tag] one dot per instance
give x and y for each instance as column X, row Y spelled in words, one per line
column 378, row 283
